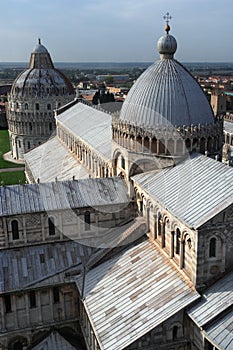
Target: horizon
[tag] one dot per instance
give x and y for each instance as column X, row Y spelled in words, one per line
column 120, row 62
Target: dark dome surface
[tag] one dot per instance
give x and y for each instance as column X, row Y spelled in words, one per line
column 41, row 78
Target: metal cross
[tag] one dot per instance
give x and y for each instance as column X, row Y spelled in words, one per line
column 167, row 17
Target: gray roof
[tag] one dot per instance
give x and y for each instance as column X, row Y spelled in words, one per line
column 220, row 333
column 30, row 198
column 53, row 160
column 136, row 291
column 90, row 125
column 194, row 191
column 228, row 127
column 54, row 341
column 166, row 94
column 105, row 237
column 44, row 264
column 214, row 313
column 215, row 300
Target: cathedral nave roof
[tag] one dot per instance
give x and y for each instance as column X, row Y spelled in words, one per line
column 91, row 125
column 52, row 196
column 52, row 160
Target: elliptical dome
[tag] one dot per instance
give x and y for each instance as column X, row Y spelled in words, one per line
column 166, row 93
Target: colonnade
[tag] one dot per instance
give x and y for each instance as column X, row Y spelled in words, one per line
column 93, row 161
column 169, row 140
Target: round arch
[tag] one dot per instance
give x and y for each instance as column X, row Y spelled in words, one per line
column 142, row 165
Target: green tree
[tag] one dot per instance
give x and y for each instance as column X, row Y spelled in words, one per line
column 109, row 79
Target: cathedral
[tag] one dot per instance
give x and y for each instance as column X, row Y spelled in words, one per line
column 122, row 237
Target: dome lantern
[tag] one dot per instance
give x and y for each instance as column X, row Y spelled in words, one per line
column 167, row 44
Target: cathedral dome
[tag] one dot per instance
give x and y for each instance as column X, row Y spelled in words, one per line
column 41, row 79
column 166, row 93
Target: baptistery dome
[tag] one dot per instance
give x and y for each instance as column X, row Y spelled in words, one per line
column 166, row 93
column 36, row 92
column 41, row 78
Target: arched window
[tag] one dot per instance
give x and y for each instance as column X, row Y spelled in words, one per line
column 49, row 106
column 159, row 225
column 26, row 106
column 164, row 224
column 56, row 295
column 87, row 220
column 172, row 243
column 7, row 302
column 154, row 145
column 212, row 248
column 146, row 145
column 209, row 144
column 174, row 333
column 15, row 229
column 178, row 234
column 123, row 162
column 32, row 299
column 202, row 145
column 37, row 106
column 51, row 226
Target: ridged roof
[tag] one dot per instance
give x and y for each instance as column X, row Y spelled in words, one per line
column 166, row 93
column 132, row 293
column 194, row 191
column 41, row 78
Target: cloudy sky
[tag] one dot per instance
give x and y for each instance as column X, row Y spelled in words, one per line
column 116, row 30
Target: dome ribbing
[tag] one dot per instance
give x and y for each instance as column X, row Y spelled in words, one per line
column 166, row 93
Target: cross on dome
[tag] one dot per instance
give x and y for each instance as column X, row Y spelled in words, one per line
column 167, row 18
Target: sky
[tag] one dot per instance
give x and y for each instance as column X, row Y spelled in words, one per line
column 116, row 30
